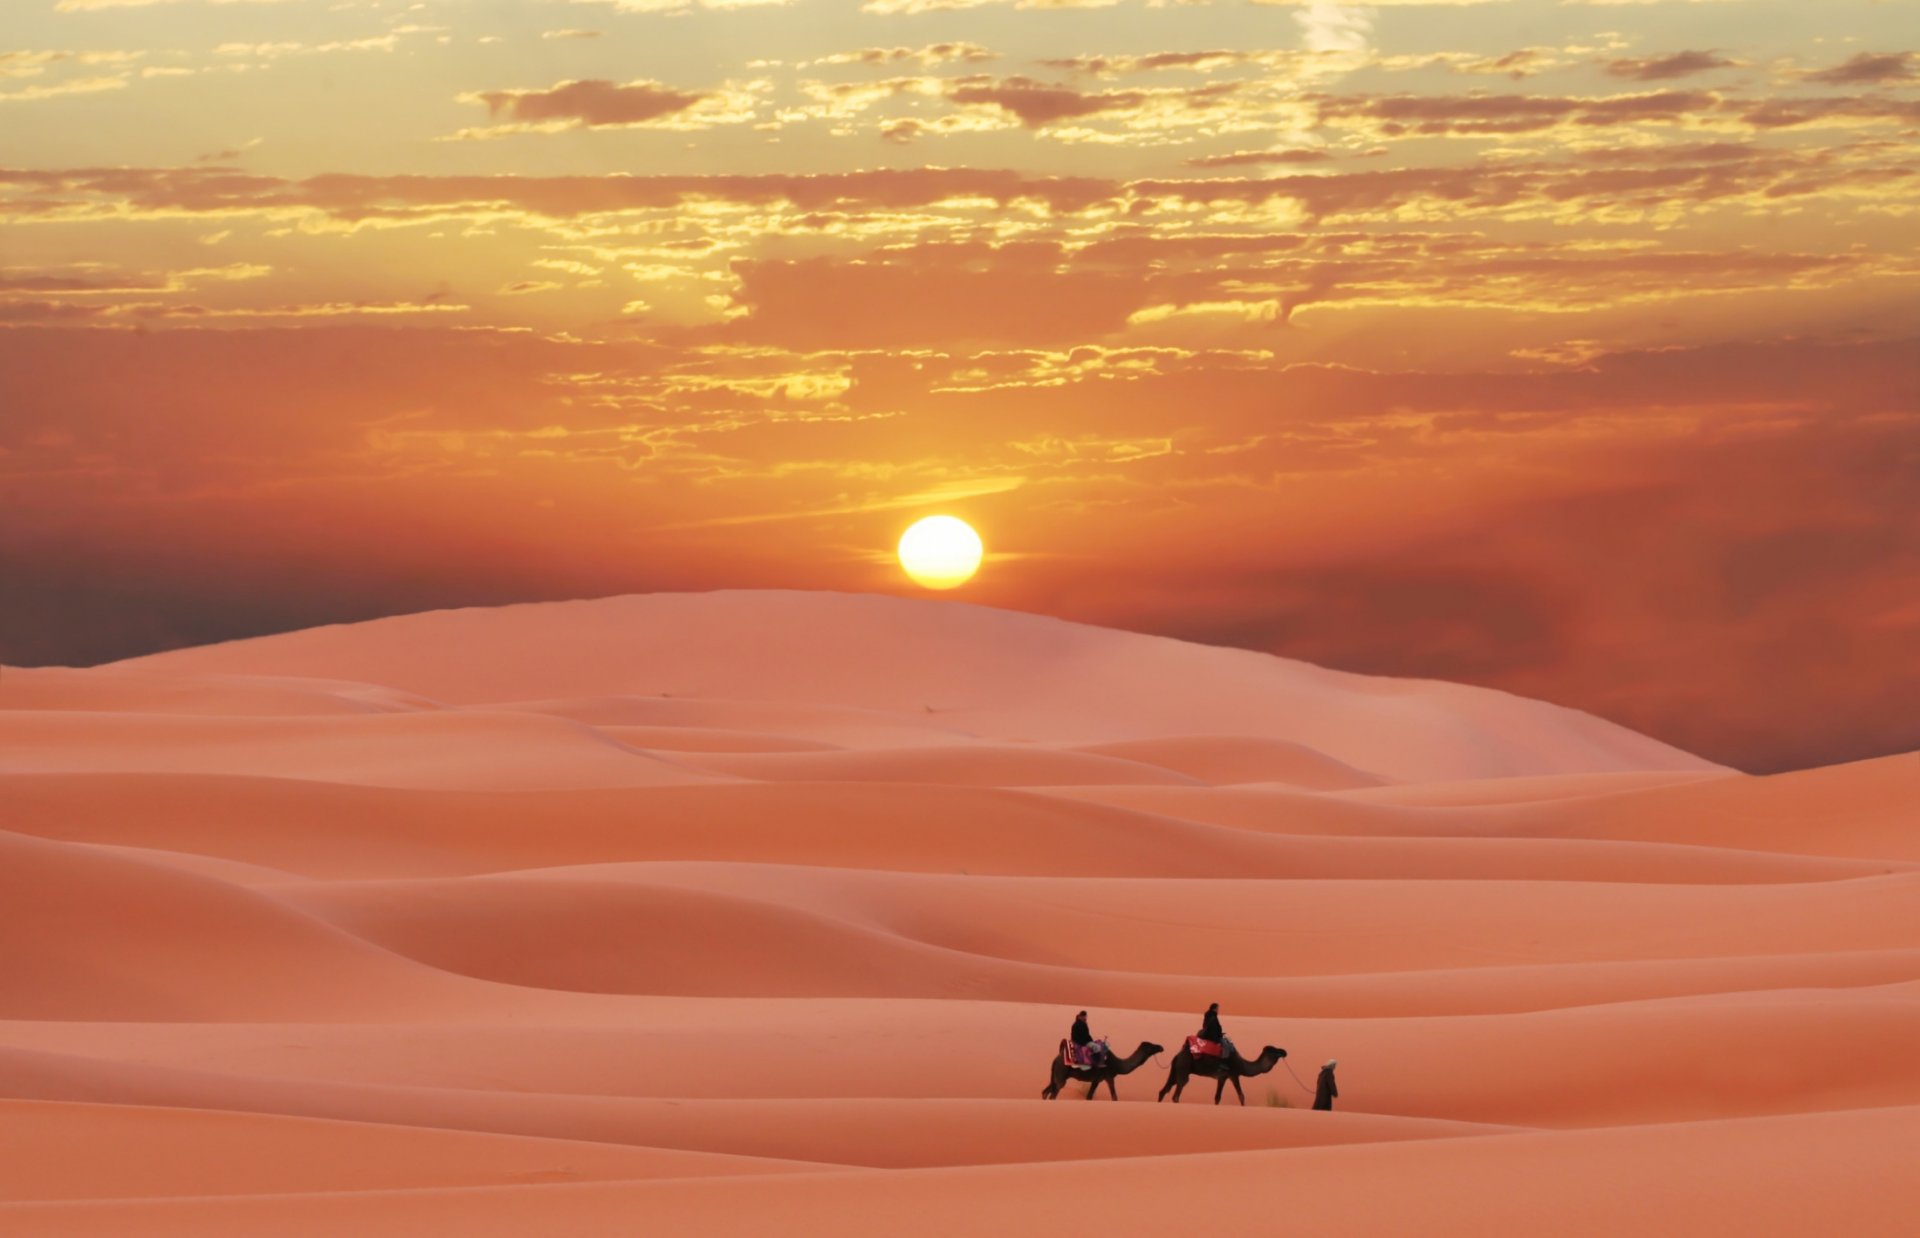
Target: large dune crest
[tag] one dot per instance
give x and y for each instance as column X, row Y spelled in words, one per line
column 973, row 670
column 764, row 912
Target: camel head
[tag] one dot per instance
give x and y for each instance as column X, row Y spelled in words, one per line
column 1151, row 1049
column 1268, row 1059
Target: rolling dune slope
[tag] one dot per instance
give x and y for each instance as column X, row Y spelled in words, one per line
column 752, row 913
column 984, row 672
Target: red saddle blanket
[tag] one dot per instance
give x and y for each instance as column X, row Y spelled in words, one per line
column 1202, row 1048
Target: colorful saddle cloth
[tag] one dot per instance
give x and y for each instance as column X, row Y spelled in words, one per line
column 1082, row 1057
column 1203, row 1048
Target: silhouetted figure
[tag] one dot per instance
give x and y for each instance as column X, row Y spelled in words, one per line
column 1086, row 1050
column 1324, row 1089
column 1210, row 1029
column 1210, row 1025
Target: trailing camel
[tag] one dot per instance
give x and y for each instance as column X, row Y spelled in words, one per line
column 1106, row 1072
column 1222, row 1070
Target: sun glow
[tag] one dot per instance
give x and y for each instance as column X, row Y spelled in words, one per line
column 940, row 552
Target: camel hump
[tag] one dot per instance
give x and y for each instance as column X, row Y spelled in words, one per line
column 1063, row 1042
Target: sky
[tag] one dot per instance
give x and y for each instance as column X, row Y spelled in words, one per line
column 1567, row 348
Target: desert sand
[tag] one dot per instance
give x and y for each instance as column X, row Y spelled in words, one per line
column 752, row 913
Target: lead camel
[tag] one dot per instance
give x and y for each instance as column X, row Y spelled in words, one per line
column 1231, row 1068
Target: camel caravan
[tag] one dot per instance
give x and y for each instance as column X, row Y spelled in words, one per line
column 1208, row 1053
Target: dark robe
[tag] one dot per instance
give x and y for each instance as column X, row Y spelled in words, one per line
column 1080, row 1034
column 1210, row 1028
column 1324, row 1090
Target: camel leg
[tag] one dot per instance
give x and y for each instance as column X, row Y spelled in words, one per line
column 1219, row 1088
column 1111, row 1090
column 1165, row 1088
column 1237, row 1091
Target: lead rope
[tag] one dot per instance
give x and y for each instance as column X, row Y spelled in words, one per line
column 1296, row 1078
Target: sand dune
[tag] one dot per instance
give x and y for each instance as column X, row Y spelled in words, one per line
column 1828, row 1173
column 85, row 934
column 231, row 696
column 895, row 828
column 125, row 1152
column 755, row 913
column 502, row 752
column 993, row 673
column 972, row 766
column 1220, row 760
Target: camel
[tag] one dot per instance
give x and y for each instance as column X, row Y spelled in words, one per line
column 1106, row 1072
column 1230, row 1069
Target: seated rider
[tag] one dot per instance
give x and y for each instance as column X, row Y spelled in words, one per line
column 1210, row 1029
column 1086, row 1048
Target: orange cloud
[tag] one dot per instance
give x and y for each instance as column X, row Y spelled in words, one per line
column 1478, row 115
column 1666, row 68
column 926, row 56
column 1870, row 69
column 591, row 103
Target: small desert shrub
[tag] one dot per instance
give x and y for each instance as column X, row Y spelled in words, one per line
column 1277, row 1101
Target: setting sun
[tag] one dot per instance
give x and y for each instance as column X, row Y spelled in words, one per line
column 940, row 552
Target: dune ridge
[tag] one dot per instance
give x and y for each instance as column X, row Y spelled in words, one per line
column 756, row 911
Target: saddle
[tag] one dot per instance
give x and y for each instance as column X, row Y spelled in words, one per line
column 1204, row 1048
column 1081, row 1057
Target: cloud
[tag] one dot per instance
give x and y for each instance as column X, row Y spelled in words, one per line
column 1219, row 106
column 926, row 56
column 38, row 193
column 1835, row 112
column 172, row 311
column 36, row 63
column 1869, row 69
column 1330, row 26
column 86, row 279
column 912, row 7
column 1484, row 115
column 1621, row 181
column 675, row 6
column 1036, row 104
column 72, row 86
column 281, row 50
column 921, row 300
column 1156, row 62
column 590, row 103
column 1261, row 158
column 1666, row 68
column 85, row 6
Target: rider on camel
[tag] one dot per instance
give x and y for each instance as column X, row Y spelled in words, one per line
column 1089, row 1050
column 1210, row 1029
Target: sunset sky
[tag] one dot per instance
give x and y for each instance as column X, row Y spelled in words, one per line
column 1570, row 348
